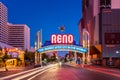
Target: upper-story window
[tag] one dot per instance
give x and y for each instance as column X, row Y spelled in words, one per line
column 105, row 4
column 87, row 3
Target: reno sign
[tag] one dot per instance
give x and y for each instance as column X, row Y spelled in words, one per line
column 62, row 39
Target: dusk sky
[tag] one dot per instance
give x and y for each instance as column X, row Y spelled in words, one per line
column 47, row 15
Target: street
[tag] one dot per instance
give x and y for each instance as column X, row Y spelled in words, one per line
column 71, row 73
column 64, row 72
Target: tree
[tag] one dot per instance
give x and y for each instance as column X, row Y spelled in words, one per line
column 29, row 56
column 0, row 48
column 45, row 56
column 54, row 59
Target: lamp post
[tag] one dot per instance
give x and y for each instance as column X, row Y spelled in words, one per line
column 118, row 52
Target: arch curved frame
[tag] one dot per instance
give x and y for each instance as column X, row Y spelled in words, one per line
column 62, row 48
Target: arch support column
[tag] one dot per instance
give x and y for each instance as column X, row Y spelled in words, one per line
column 86, row 44
column 40, row 58
column 83, row 59
column 75, row 56
column 36, row 58
column 88, row 54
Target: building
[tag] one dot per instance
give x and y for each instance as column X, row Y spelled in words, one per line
column 38, row 39
column 3, row 24
column 3, row 45
column 89, row 31
column 100, row 25
column 19, row 36
column 13, row 55
column 110, row 33
column 12, row 37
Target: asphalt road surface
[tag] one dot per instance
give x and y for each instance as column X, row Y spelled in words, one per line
column 64, row 72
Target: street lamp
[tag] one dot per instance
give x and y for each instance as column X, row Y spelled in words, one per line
column 118, row 52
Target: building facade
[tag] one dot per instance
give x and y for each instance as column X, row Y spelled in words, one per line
column 3, row 24
column 89, row 29
column 38, row 39
column 19, row 36
column 3, row 45
column 101, row 20
column 14, row 35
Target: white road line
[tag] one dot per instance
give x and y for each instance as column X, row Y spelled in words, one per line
column 13, row 75
column 38, row 74
column 18, row 73
column 32, row 73
column 26, row 75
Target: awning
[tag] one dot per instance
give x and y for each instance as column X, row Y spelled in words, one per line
column 95, row 49
column 99, row 47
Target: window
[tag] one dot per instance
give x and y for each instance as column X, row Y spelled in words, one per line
column 105, row 4
column 102, row 2
column 108, row 2
column 87, row 3
column 112, row 38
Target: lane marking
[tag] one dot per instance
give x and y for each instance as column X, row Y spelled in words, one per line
column 26, row 75
column 13, row 75
column 32, row 73
column 38, row 74
column 18, row 73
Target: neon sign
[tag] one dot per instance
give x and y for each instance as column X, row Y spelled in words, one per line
column 63, row 47
column 62, row 39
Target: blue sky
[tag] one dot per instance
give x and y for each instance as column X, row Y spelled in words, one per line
column 47, row 15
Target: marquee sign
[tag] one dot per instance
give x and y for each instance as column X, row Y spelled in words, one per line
column 62, row 39
column 63, row 47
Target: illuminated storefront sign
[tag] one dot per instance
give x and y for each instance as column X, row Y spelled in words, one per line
column 62, row 39
column 63, row 47
column 12, row 49
column 13, row 52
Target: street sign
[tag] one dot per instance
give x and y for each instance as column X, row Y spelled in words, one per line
column 62, row 39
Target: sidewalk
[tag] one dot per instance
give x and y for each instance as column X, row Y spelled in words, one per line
column 101, row 69
column 16, row 68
